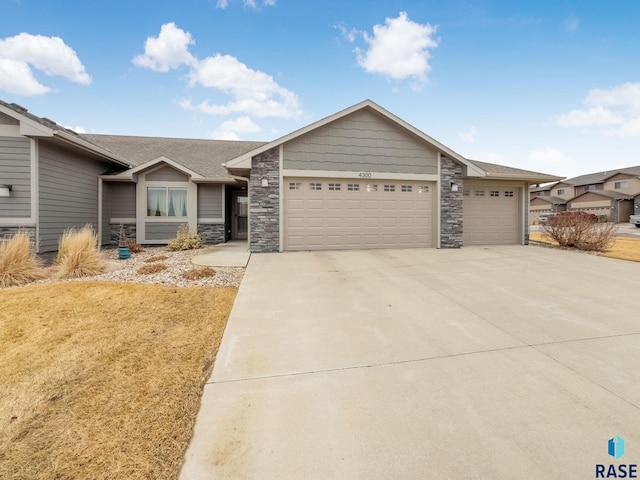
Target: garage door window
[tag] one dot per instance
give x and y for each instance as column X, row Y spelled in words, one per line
column 389, row 188
column 406, row 188
column 372, row 188
column 353, row 187
column 295, row 186
column 508, row 193
column 334, row 187
column 494, row 193
column 315, row 186
column 423, row 189
column 479, row 193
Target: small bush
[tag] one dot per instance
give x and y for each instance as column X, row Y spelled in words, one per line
column 135, row 247
column 185, row 240
column 152, row 268
column 18, row 264
column 78, row 254
column 198, row 273
column 156, row 258
column 580, row 230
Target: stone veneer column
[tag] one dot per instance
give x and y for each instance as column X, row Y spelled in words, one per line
column 264, row 206
column 450, row 204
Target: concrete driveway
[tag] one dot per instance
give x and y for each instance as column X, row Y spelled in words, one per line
column 501, row 362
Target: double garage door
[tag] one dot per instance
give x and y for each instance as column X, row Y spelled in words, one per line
column 490, row 214
column 338, row 214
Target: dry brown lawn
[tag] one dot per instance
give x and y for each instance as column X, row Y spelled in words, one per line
column 622, row 248
column 103, row 380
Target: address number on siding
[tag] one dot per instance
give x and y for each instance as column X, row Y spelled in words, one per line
column 365, row 174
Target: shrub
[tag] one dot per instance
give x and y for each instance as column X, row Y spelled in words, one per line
column 185, row 239
column 152, row 268
column 135, row 247
column 18, row 263
column 156, row 258
column 78, row 254
column 580, row 230
column 198, row 273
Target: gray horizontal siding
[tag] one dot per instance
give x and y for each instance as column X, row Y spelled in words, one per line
column 68, row 183
column 123, row 199
column 166, row 174
column 161, row 231
column 106, row 213
column 15, row 170
column 7, row 120
column 362, row 141
column 209, row 200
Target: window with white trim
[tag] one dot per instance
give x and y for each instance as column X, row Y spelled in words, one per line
column 353, row 187
column 423, row 189
column 295, row 186
column 372, row 187
column 166, row 201
column 334, row 186
column 315, row 186
column 406, row 188
column 389, row 188
column 561, row 191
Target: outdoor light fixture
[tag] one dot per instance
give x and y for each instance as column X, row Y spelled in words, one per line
column 265, row 182
column 5, row 190
column 454, row 187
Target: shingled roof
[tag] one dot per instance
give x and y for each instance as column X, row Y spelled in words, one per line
column 494, row 170
column 599, row 177
column 204, row 157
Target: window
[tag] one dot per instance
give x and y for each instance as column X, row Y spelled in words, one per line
column 589, row 187
column 561, row 191
column 353, row 187
column 423, row 189
column 508, row 193
column 295, row 186
column 372, row 188
column 166, row 201
column 334, row 186
column 406, row 188
column 479, row 193
column 315, row 186
column 389, row 188
column 494, row 193
column 622, row 184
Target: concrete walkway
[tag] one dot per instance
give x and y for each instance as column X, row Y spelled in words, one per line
column 234, row 253
column 501, row 363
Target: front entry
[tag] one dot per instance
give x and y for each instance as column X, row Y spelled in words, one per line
column 240, row 211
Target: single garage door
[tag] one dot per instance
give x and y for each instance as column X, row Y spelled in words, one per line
column 338, row 214
column 490, row 214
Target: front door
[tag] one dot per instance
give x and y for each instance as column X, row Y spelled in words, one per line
column 240, row 214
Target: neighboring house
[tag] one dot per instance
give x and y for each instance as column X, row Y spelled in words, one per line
column 607, row 194
column 361, row 178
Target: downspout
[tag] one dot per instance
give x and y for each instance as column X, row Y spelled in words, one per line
column 99, row 213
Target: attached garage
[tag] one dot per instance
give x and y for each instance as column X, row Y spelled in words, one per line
column 491, row 213
column 347, row 213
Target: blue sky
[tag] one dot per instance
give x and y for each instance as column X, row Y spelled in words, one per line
column 551, row 86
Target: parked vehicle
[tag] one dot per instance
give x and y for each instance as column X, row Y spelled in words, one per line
column 544, row 217
column 635, row 219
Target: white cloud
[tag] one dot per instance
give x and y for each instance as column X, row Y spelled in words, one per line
column 549, row 155
column 229, row 129
column 349, row 34
column 572, row 24
column 615, row 111
column 489, row 157
column 399, row 49
column 47, row 54
column 76, row 129
column 252, row 4
column 169, row 50
column 468, row 136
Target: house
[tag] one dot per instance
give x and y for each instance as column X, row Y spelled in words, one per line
column 361, row 178
column 608, row 194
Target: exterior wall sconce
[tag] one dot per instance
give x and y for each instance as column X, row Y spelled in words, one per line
column 5, row 190
column 454, row 187
column 265, row 182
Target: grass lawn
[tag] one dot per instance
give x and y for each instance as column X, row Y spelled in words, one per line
column 103, row 380
column 622, row 248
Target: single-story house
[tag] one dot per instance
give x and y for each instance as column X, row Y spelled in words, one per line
column 361, row 178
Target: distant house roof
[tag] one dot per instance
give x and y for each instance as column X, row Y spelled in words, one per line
column 600, row 177
column 605, row 193
column 552, row 200
column 204, row 157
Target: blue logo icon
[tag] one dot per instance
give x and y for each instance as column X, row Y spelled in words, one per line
column 616, row 447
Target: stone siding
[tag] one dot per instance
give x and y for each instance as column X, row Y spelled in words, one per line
column 211, row 232
column 264, row 208
column 450, row 204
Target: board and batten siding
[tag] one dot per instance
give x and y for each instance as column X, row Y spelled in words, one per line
column 15, row 170
column 68, row 197
column 362, row 141
column 210, row 200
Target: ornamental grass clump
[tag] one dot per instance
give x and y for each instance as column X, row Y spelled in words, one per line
column 78, row 254
column 185, row 240
column 18, row 264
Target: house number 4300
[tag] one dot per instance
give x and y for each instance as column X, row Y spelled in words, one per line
column 365, row 174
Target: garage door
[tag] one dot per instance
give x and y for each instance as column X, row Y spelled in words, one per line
column 490, row 214
column 337, row 214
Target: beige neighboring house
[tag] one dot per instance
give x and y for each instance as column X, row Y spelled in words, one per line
column 609, row 194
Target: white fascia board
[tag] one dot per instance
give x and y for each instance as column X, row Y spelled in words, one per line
column 28, row 127
column 156, row 161
column 225, row 180
column 118, row 178
column 418, row 177
column 525, row 177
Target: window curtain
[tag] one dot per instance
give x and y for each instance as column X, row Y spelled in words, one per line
column 156, row 202
column 177, row 202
